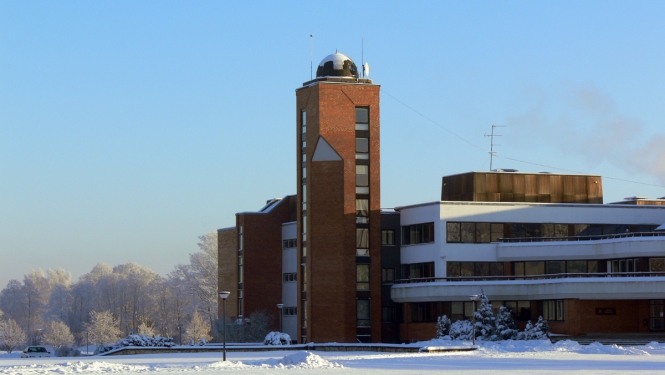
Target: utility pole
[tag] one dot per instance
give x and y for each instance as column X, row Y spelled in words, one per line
column 492, row 144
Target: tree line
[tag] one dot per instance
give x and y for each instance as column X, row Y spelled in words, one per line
column 110, row 302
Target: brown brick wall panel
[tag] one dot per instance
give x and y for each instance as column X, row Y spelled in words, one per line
column 227, row 270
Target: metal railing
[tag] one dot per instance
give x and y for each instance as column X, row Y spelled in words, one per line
column 583, row 238
column 530, row 277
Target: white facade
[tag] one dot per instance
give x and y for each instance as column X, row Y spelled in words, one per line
column 440, row 252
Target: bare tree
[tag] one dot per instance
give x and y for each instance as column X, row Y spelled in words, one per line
column 58, row 335
column 145, row 329
column 11, row 335
column 103, row 327
column 198, row 329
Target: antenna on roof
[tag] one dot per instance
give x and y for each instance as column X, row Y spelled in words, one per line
column 311, row 54
column 492, row 153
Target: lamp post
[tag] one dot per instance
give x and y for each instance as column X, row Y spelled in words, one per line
column 87, row 342
column 224, row 295
column 280, row 306
column 180, row 332
column 474, row 298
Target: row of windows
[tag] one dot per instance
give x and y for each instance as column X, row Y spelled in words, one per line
column 474, row 232
column 287, row 244
column 520, row 310
column 457, row 269
column 362, row 216
column 417, row 233
column 418, row 270
column 289, row 277
column 290, row 311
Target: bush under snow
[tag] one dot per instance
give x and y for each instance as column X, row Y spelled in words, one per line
column 145, row 340
column 277, row 338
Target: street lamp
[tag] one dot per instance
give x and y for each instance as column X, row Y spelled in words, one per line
column 474, row 298
column 280, row 306
column 180, row 331
column 224, row 295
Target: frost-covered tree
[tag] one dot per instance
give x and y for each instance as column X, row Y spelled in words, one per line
column 11, row 335
column 198, row 329
column 146, row 330
column 442, row 326
column 505, row 325
column 461, row 330
column 541, row 330
column 58, row 335
column 103, row 327
column 485, row 319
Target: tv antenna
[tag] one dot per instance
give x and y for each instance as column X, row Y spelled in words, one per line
column 311, row 55
column 492, row 144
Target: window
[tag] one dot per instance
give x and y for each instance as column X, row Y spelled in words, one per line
column 362, row 148
column 388, row 314
column 388, row 237
column 418, row 233
column 496, row 231
column 303, row 121
column 290, row 311
column 304, row 172
column 289, row 277
column 362, row 238
column 426, row 311
column 552, row 310
column 468, row 232
column 362, row 118
column 388, row 275
column 362, row 175
column 657, row 265
column 453, row 232
column 362, row 211
column 240, row 238
column 304, row 197
column 362, row 277
column 521, row 310
column 457, row 269
column 287, row 244
column 362, row 313
column 555, row 266
column 418, row 270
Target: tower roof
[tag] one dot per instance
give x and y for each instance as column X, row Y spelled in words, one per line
column 337, row 65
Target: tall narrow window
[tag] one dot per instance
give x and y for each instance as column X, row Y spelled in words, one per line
column 362, row 313
column 362, row 148
column 362, row 118
column 304, row 197
column 362, row 277
column 304, row 228
column 303, row 121
column 362, row 211
column 362, row 242
column 362, row 175
column 240, row 238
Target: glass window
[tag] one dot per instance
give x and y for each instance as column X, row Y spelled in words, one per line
column 534, row 268
column 657, row 264
column 519, row 268
column 362, row 207
column 362, row 190
column 468, row 269
column 457, row 311
column 552, row 310
column 388, row 314
column 592, row 266
column 362, row 277
column 388, row 275
column 362, row 238
column 453, row 232
column 576, row 266
column 362, row 114
column 496, row 269
column 362, row 175
column 560, row 230
column 388, row 237
column 417, row 233
column 304, row 172
column 497, row 231
column 483, row 232
column 362, row 145
column 523, row 310
column 453, row 269
column 482, row 269
column 362, row 313
column 548, row 230
column 555, row 266
column 468, row 232
column 303, row 120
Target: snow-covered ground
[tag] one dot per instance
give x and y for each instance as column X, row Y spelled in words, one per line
column 490, row 358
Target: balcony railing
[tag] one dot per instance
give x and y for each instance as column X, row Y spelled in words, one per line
column 583, row 238
column 530, row 277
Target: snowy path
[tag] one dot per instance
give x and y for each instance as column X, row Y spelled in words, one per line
column 489, row 359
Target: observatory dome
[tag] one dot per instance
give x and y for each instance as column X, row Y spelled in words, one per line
column 337, row 65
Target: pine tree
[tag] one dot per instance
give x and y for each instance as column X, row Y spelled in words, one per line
column 541, row 331
column 461, row 330
column 442, row 326
column 485, row 319
column 505, row 325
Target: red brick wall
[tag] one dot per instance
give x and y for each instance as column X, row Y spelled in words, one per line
column 227, row 270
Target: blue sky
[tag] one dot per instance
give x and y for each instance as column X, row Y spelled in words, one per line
column 127, row 129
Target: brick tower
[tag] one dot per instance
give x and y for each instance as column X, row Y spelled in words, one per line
column 339, row 222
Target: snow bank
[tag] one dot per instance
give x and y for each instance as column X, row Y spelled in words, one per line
column 302, row 359
column 76, row 368
column 540, row 346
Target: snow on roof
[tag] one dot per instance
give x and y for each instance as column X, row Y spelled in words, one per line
column 337, row 59
column 661, row 227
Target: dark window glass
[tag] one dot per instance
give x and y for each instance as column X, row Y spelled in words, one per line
column 388, row 275
column 453, row 269
column 468, row 269
column 523, row 310
column 362, row 175
column 362, row 145
column 362, row 114
column 482, row 269
column 580, row 229
column 417, row 233
column 519, row 268
column 453, row 232
column 560, row 230
column 362, row 238
column 362, row 313
column 497, row 232
column 576, row 266
column 496, row 269
column 362, row 277
column 387, row 237
column 555, row 266
column 548, row 230
column 592, row 266
column 534, row 268
column 388, row 314
column 468, row 232
column 483, row 232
